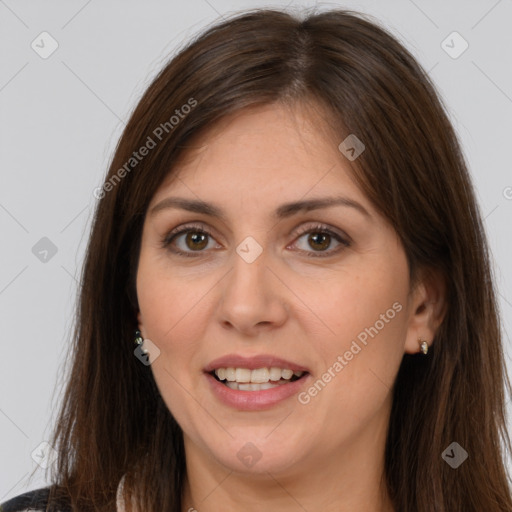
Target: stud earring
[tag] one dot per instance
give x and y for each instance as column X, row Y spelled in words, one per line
column 423, row 346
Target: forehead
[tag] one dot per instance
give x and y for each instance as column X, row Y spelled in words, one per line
column 259, row 154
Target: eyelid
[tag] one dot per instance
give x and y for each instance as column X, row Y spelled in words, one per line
column 182, row 229
column 199, row 226
column 316, row 227
column 343, row 239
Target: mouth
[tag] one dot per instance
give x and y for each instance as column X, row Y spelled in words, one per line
column 259, row 379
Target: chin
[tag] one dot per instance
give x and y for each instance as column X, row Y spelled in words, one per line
column 255, row 455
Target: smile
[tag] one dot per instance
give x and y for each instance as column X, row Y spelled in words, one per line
column 255, row 396
column 245, row 379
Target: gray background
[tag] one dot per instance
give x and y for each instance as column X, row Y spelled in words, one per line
column 60, row 118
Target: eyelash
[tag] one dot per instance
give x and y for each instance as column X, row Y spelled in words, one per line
column 198, row 228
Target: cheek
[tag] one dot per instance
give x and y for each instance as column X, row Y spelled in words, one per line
column 349, row 302
column 172, row 309
column 171, row 312
column 364, row 322
column 360, row 353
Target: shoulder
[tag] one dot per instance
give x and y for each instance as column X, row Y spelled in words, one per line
column 35, row 500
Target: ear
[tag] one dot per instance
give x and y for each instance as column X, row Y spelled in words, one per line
column 427, row 308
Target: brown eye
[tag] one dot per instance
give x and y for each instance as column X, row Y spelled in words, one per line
column 189, row 241
column 196, row 240
column 193, row 241
column 319, row 241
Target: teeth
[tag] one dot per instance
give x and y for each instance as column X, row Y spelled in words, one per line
column 250, row 386
column 242, row 375
column 259, row 376
column 287, row 374
column 275, row 373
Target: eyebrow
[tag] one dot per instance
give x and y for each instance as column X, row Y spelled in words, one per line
column 282, row 212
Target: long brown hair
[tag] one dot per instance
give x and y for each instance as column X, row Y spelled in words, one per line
column 362, row 81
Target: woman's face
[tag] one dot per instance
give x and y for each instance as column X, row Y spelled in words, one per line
column 320, row 290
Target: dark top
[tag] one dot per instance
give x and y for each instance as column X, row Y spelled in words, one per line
column 36, row 500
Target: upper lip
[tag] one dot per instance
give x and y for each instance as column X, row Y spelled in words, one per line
column 253, row 363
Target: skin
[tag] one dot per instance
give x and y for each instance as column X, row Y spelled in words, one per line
column 327, row 454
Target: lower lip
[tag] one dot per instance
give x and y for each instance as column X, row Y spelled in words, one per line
column 254, row 400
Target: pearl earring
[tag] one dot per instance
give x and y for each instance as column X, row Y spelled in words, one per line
column 423, row 346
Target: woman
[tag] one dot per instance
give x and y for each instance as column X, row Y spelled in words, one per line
column 289, row 234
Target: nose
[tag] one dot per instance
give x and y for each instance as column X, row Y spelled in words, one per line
column 253, row 298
